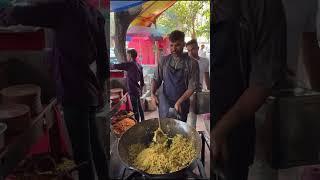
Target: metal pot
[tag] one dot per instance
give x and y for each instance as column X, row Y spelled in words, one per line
column 143, row 133
column 16, row 117
column 202, row 100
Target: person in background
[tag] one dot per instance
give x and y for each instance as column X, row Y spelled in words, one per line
column 79, row 41
column 249, row 63
column 202, row 51
column 178, row 75
column 193, row 48
column 135, row 81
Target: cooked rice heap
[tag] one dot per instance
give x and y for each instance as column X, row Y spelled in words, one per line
column 161, row 158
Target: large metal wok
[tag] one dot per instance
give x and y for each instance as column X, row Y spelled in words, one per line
column 143, row 133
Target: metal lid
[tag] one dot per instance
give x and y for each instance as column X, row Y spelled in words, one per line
column 8, row 111
column 116, row 90
column 21, row 90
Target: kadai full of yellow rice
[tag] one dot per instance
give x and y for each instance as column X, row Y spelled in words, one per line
column 162, row 159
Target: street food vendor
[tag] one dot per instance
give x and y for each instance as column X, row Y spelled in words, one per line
column 79, row 41
column 178, row 75
column 249, row 61
column 135, row 81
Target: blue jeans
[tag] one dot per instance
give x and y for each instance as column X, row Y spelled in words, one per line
column 86, row 147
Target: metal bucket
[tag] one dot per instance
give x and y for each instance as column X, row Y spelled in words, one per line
column 202, row 105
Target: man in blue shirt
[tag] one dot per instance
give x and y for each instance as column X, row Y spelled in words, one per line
column 79, row 41
column 135, row 81
column 178, row 76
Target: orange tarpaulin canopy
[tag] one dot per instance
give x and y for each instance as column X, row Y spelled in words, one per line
column 151, row 10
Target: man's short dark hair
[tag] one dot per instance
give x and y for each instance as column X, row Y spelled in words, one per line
column 192, row 42
column 176, row 36
column 133, row 53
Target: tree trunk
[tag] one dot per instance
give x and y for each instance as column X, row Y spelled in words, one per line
column 193, row 20
column 193, row 33
column 122, row 21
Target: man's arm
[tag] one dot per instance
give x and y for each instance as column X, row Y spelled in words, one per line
column 245, row 108
column 184, row 97
column 157, row 77
column 268, row 66
column 43, row 15
column 157, row 80
column 193, row 84
column 102, row 51
column 121, row 66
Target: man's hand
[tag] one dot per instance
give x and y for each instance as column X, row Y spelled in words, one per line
column 248, row 103
column 177, row 106
column 219, row 148
column 184, row 97
column 154, row 99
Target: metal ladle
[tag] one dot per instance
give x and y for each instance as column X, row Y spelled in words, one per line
column 159, row 136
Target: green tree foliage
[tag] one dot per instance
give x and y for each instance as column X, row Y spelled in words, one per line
column 192, row 17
